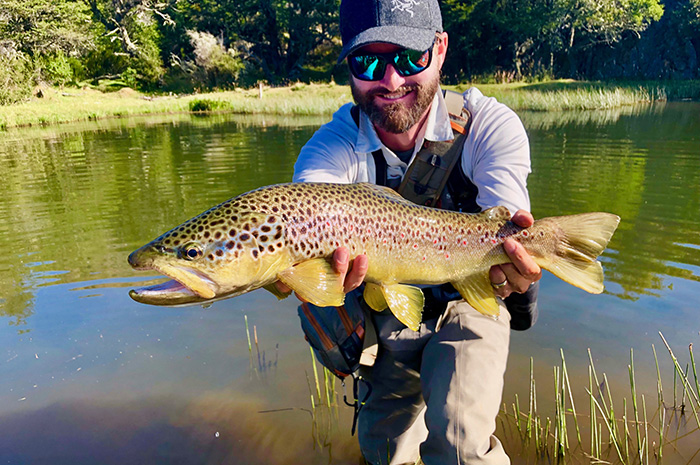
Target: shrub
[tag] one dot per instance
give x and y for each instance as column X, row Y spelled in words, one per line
column 208, row 105
column 221, row 66
column 16, row 78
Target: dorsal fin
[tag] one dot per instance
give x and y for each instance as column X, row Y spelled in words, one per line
column 497, row 213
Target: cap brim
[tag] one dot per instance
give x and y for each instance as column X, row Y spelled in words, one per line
column 402, row 36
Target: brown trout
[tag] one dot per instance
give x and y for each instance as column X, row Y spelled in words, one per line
column 287, row 232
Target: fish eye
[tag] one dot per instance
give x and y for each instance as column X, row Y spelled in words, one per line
column 191, row 251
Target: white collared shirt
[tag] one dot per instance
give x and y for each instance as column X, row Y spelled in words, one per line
column 496, row 155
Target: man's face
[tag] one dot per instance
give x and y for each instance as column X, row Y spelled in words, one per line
column 396, row 103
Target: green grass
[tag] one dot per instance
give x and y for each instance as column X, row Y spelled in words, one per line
column 72, row 105
column 633, row 435
column 583, row 95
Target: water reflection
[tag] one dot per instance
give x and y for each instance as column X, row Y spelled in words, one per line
column 218, row 427
column 79, row 199
column 121, row 382
column 644, row 167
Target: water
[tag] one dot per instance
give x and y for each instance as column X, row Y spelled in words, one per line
column 88, row 376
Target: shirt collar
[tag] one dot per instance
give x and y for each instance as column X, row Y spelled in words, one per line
column 437, row 127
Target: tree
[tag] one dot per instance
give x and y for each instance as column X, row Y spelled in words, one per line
column 38, row 27
column 277, row 37
column 133, row 25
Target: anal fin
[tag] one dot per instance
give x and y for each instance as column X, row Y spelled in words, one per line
column 477, row 291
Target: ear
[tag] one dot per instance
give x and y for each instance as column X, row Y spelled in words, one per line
column 441, row 50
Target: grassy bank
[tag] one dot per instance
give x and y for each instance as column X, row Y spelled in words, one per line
column 69, row 105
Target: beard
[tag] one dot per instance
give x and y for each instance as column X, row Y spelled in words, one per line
column 396, row 117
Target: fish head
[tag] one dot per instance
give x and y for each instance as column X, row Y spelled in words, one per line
column 221, row 253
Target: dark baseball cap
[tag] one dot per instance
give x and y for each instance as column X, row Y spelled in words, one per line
column 409, row 24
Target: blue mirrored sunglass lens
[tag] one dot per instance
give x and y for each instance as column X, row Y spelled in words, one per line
column 368, row 67
column 410, row 62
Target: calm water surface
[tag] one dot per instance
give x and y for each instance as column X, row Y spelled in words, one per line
column 87, row 375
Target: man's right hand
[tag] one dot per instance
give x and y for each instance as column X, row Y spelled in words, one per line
column 352, row 274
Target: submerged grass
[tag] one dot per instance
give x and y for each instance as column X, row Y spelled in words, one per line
column 71, row 105
column 628, row 438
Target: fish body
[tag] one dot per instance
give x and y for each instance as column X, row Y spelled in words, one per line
column 287, row 232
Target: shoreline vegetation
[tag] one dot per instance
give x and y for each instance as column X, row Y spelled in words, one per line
column 56, row 106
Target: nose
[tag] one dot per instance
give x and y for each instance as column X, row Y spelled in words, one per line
column 392, row 80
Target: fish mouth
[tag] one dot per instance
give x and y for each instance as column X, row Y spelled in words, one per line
column 186, row 286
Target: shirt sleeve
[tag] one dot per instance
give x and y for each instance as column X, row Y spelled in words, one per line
column 329, row 155
column 496, row 156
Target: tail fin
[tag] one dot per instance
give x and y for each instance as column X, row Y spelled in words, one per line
column 585, row 236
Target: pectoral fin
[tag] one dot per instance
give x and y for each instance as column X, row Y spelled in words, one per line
column 315, row 281
column 477, row 290
column 406, row 303
column 374, row 297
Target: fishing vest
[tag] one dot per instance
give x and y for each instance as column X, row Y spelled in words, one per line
column 431, row 179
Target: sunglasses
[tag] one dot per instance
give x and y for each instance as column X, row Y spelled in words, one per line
column 372, row 66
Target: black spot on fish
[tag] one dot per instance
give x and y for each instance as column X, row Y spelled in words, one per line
column 244, row 237
column 230, row 245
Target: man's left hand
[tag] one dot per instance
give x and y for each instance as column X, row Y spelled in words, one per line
column 523, row 271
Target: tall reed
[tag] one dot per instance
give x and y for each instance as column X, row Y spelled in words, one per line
column 631, row 436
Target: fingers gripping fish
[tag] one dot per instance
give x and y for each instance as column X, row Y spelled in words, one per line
column 287, row 232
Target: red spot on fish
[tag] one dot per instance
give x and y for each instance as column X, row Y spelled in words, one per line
column 525, row 233
column 464, row 242
column 435, row 241
column 447, row 255
column 415, row 246
column 494, row 241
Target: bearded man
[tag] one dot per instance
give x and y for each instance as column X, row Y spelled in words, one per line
column 435, row 392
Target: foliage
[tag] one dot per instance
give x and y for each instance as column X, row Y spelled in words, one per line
column 203, row 104
column 40, row 27
column 134, row 26
column 219, row 65
column 195, row 45
column 532, row 36
column 14, row 85
column 275, row 38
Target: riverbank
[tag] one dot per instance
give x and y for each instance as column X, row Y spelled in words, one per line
column 72, row 104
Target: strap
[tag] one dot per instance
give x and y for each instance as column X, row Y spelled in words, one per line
column 455, row 103
column 357, row 403
column 426, row 177
column 380, row 165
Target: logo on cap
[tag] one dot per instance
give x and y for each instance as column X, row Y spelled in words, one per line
column 406, row 5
